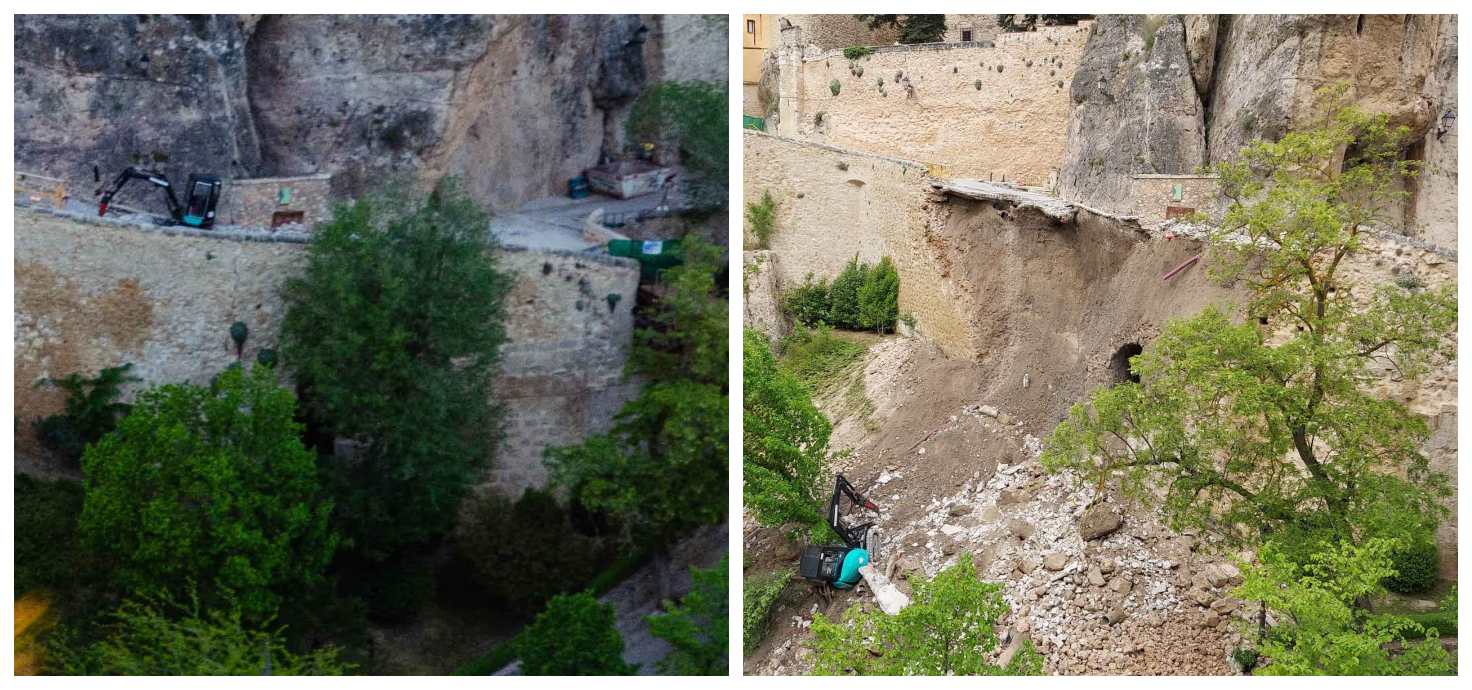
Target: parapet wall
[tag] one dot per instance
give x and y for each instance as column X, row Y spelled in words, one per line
column 833, row 205
column 96, row 293
column 992, row 110
column 269, row 202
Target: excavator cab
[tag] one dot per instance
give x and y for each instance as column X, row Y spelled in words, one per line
column 199, row 204
column 838, row 564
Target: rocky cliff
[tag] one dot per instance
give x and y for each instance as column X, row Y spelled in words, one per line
column 513, row 104
column 1166, row 93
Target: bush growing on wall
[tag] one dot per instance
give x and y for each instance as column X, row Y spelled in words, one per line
column 210, row 486
column 91, row 411
column 761, row 217
column 394, row 334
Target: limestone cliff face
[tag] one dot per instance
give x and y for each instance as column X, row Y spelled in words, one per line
column 1255, row 76
column 513, row 104
column 1136, row 110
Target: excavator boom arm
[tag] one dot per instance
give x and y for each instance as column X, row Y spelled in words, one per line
column 153, row 177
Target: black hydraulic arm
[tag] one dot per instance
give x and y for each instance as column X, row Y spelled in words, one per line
column 852, row 536
column 151, row 176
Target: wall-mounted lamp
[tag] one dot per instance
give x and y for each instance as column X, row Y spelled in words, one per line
column 1448, row 119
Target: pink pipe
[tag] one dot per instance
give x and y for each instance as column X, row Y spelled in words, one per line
column 1181, row 267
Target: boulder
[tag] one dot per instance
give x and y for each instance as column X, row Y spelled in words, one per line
column 1096, row 578
column 1115, row 615
column 1021, row 529
column 1121, row 585
column 1098, row 521
column 1028, row 563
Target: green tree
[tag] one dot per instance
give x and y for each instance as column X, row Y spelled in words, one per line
column 784, row 442
column 808, row 303
column 1253, row 431
column 949, row 628
column 1322, row 631
column 697, row 627
column 574, row 636
column 843, row 295
column 662, row 469
column 148, row 637
column 913, row 28
column 210, row 486
column 692, row 114
column 879, row 297
column 394, row 333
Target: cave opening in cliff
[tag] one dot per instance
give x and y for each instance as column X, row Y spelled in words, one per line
column 1119, row 364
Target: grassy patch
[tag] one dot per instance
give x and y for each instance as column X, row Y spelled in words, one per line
column 819, row 358
column 762, row 594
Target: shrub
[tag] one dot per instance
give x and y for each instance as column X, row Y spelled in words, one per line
column 835, row 87
column 574, row 636
column 48, row 552
column 856, row 52
column 1246, row 658
column 91, row 411
column 879, row 297
column 210, row 486
column 843, row 294
column 697, row 627
column 808, row 303
column 818, row 358
column 394, row 333
column 161, row 638
column 693, row 114
column 1417, row 563
column 784, row 443
column 761, row 217
column 948, row 628
column 525, row 552
column 761, row 595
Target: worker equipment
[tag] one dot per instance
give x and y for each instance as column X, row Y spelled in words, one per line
column 201, row 196
column 835, row 564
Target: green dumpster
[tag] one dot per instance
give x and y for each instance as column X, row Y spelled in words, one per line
column 757, row 123
column 653, row 255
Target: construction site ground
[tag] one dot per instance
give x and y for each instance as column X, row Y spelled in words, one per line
column 955, row 472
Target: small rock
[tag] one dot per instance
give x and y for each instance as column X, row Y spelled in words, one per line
column 987, row 410
column 1121, row 585
column 1097, row 522
column 961, row 509
column 1106, row 566
column 1020, row 529
column 1202, row 597
column 1096, row 578
column 1028, row 563
column 1055, row 561
column 1210, row 620
column 1224, row 605
column 1022, row 626
column 1115, row 615
column 1005, row 418
column 1422, row 605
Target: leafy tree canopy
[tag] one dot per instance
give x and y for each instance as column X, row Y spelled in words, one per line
column 662, row 468
column 949, row 628
column 913, row 28
column 210, row 485
column 394, row 333
column 1322, row 631
column 1251, row 430
column 784, row 440
column 692, row 113
column 697, row 627
column 159, row 637
column 574, row 636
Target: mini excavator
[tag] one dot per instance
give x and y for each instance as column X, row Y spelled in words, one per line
column 201, row 196
column 841, row 566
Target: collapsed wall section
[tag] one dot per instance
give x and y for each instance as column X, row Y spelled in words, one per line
column 95, row 293
column 993, row 110
column 834, row 205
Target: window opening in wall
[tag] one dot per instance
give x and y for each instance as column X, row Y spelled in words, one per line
column 751, row 26
column 281, row 218
column 1119, row 364
column 1359, row 25
column 966, row 35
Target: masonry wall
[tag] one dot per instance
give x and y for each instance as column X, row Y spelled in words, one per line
column 254, row 203
column 833, row 205
column 838, row 31
column 1154, row 198
column 95, row 293
column 929, row 107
